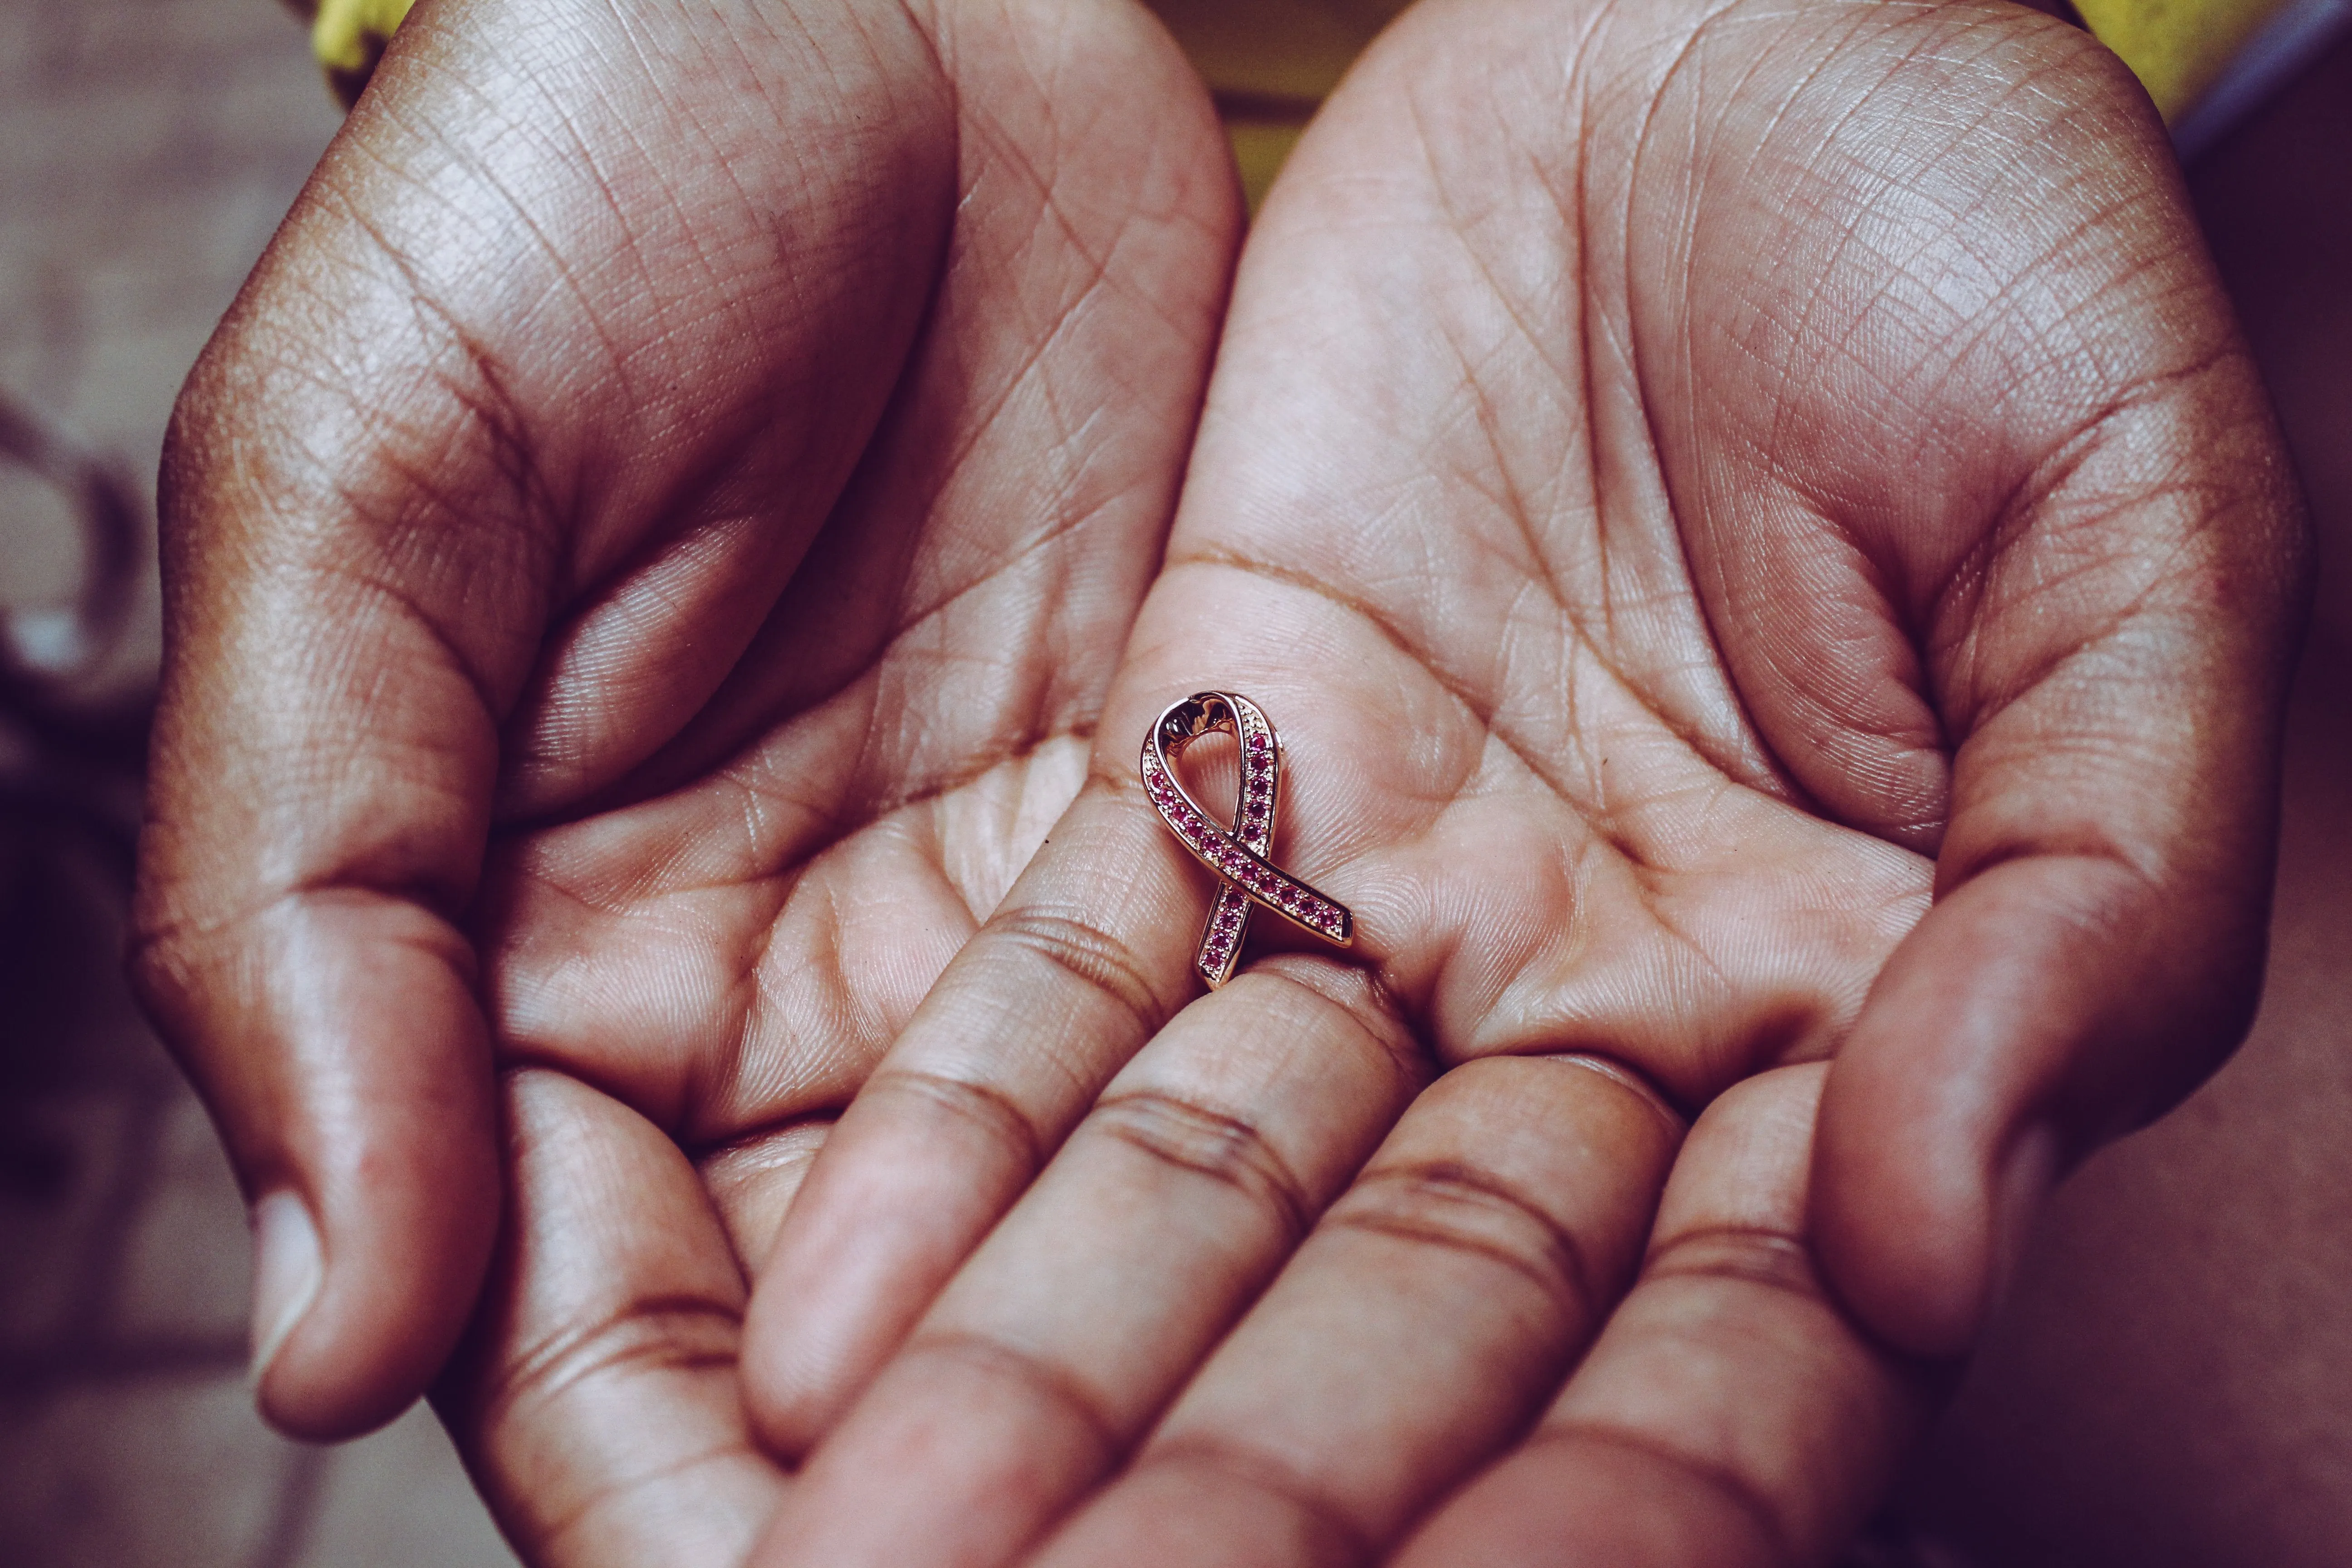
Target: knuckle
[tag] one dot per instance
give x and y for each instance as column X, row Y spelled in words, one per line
column 1224, row 1148
column 1452, row 1207
column 157, row 959
column 649, row 1337
column 1230, row 1463
column 1076, row 949
column 1747, row 1255
column 994, row 1112
column 1048, row 1382
column 176, row 974
column 1699, row 1483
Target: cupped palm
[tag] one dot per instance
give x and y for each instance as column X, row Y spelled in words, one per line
column 1763, row 546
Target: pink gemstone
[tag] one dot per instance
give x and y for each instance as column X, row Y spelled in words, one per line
column 1257, row 741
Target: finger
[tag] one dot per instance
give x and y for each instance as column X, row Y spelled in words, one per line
column 596, row 1400
column 1172, row 1204
column 1730, row 1414
column 752, row 1183
column 1022, row 1030
column 393, row 473
column 2102, row 892
column 1419, row 1329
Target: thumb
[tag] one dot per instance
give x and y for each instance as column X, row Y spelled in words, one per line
column 2097, row 942
column 570, row 287
column 320, row 776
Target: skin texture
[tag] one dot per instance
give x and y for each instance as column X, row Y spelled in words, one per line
column 2167, row 1385
column 646, row 551
column 1774, row 575
column 1770, row 552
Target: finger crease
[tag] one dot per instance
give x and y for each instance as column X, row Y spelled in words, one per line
column 683, row 1333
column 1379, row 1017
column 1054, row 1383
column 982, row 1105
column 1751, row 1255
column 548, row 1534
column 1090, row 955
column 1450, row 1205
column 1716, row 1477
column 1224, row 1148
column 1272, row 1478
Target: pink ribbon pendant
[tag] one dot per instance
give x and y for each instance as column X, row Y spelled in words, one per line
column 1237, row 855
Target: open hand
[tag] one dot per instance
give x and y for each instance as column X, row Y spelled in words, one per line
column 645, row 556
column 1775, row 577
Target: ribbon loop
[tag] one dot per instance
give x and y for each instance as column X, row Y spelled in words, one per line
column 1237, row 855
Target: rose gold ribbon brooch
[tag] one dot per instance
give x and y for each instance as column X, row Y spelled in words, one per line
column 1236, row 853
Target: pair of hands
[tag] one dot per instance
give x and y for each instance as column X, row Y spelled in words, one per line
column 1774, row 573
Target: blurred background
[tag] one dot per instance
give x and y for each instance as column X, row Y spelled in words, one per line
column 2172, row 1386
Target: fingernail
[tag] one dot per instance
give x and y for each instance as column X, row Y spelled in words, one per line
column 287, row 1268
column 2029, row 1168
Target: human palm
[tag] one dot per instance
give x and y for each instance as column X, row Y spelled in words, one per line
column 1774, row 576
column 1692, row 484
column 646, row 553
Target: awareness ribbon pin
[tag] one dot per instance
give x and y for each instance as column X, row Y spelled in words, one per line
column 1237, row 855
